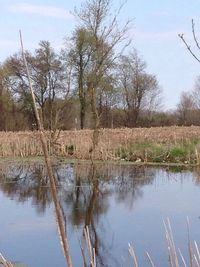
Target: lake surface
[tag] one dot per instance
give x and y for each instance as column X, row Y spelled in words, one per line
column 121, row 204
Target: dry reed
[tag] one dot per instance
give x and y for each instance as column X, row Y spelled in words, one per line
column 5, row 262
column 52, row 180
column 174, row 259
column 112, row 143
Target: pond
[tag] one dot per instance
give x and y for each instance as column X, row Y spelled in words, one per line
column 121, row 204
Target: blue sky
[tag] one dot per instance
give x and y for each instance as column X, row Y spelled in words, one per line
column 156, row 25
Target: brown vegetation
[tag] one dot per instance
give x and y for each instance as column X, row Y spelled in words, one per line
column 166, row 144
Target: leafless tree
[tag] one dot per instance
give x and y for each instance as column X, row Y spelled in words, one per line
column 185, row 109
column 140, row 90
column 94, row 16
column 48, row 77
column 79, row 56
column 196, row 93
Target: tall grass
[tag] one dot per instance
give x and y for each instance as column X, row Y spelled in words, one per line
column 161, row 144
column 176, row 258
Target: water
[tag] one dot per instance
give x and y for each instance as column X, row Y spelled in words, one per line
column 121, row 205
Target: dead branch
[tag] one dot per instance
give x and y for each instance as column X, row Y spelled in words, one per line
column 181, row 36
column 194, row 35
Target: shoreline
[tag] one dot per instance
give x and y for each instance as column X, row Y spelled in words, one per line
column 63, row 160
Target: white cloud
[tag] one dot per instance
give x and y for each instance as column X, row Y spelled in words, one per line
column 41, row 10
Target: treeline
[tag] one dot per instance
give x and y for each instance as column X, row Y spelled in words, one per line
column 96, row 80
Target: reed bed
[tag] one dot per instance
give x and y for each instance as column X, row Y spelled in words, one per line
column 158, row 144
column 175, row 256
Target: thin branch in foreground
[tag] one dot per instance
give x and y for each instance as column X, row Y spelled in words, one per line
column 194, row 35
column 52, row 180
column 181, row 36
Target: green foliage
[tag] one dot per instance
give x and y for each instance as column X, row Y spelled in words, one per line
column 182, row 152
column 179, row 154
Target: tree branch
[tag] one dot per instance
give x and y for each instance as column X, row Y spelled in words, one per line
column 181, row 36
column 194, row 35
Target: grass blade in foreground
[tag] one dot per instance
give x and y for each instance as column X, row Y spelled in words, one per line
column 5, row 262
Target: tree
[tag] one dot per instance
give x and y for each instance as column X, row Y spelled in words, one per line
column 94, row 16
column 5, row 101
column 140, row 91
column 79, row 57
column 185, row 109
column 48, row 79
column 196, row 93
column 49, row 82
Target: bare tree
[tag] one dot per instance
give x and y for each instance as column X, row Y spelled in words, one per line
column 140, row 90
column 79, row 56
column 185, row 109
column 196, row 93
column 48, row 78
column 94, row 16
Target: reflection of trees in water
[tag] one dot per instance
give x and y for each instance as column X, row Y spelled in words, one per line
column 88, row 199
column 196, row 177
column 84, row 193
column 23, row 182
column 128, row 184
column 85, row 204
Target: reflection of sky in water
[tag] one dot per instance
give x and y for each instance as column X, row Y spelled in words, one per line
column 125, row 205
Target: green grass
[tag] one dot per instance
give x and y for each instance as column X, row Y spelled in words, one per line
column 181, row 152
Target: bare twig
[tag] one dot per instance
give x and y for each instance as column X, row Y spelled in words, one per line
column 188, row 47
column 194, row 35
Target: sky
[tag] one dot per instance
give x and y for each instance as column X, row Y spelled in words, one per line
column 154, row 33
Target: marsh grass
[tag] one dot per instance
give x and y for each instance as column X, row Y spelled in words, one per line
column 175, row 256
column 158, row 145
